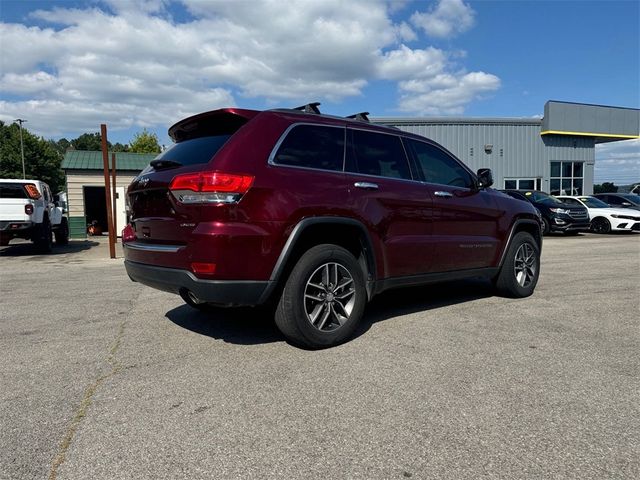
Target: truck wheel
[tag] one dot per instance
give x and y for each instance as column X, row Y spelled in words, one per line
column 323, row 299
column 62, row 233
column 519, row 273
column 44, row 237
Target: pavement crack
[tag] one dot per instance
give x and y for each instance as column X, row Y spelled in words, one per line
column 87, row 399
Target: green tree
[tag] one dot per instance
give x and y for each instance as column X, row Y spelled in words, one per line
column 61, row 146
column 118, row 147
column 606, row 187
column 42, row 160
column 89, row 141
column 145, row 142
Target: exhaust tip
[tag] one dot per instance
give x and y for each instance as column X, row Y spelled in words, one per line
column 190, row 298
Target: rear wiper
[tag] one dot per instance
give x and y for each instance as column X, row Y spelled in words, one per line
column 162, row 163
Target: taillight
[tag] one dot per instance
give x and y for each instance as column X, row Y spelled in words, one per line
column 128, row 234
column 210, row 187
column 28, row 209
column 32, row 191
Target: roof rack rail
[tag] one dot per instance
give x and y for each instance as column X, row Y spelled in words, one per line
column 309, row 108
column 361, row 116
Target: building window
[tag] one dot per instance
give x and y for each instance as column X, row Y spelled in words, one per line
column 566, row 178
column 522, row 183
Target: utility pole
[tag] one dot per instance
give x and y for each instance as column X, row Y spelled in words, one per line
column 21, row 121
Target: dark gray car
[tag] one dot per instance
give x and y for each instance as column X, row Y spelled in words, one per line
column 620, row 200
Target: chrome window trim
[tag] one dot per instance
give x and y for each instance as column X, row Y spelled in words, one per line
column 450, row 155
column 271, row 160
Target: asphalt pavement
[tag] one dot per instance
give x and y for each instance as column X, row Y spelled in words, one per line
column 102, row 378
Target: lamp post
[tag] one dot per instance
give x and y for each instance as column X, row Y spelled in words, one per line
column 21, row 121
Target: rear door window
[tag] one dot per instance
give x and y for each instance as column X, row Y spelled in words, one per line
column 312, row 146
column 378, row 154
column 12, row 190
column 437, row 166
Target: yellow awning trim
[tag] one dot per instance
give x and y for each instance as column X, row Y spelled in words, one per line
column 586, row 134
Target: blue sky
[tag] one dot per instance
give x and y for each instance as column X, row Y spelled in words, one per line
column 67, row 66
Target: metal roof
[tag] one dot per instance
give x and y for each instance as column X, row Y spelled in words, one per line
column 92, row 160
column 457, row 121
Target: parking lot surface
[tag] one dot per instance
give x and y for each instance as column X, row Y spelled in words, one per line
column 103, row 378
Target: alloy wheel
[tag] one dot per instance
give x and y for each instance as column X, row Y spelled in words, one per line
column 329, row 297
column 524, row 265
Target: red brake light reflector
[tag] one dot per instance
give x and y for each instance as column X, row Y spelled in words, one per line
column 201, row 267
column 32, row 191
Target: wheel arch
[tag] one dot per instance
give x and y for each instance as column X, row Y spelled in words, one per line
column 522, row 225
column 345, row 232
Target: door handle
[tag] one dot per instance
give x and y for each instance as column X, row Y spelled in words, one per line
column 443, row 194
column 366, row 185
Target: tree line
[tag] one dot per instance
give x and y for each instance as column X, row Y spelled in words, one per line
column 43, row 157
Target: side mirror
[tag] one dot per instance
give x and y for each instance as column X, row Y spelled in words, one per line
column 485, row 178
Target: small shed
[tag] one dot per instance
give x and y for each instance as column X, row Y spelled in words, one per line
column 86, row 200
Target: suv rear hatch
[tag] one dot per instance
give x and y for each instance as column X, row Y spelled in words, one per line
column 164, row 214
column 13, row 199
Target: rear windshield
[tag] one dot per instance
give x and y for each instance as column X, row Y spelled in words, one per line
column 12, row 190
column 192, row 152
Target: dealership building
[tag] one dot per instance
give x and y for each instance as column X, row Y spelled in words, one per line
column 555, row 153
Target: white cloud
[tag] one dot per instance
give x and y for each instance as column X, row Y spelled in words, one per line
column 618, row 162
column 405, row 32
column 447, row 19
column 131, row 64
column 447, row 93
column 407, row 63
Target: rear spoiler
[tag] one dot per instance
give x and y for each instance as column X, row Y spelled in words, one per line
column 216, row 122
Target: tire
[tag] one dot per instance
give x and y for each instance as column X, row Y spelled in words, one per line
column 518, row 276
column 44, row 240
column 546, row 229
column 600, row 225
column 323, row 299
column 62, row 233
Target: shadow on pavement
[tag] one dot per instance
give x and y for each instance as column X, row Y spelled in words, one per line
column 251, row 326
column 242, row 326
column 405, row 301
column 28, row 249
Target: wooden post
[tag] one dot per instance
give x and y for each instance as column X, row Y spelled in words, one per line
column 107, row 191
column 115, row 196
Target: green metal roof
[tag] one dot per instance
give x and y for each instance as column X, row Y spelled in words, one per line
column 91, row 160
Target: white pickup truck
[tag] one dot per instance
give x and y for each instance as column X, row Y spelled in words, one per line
column 28, row 210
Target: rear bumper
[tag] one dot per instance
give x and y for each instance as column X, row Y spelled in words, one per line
column 222, row 292
column 12, row 229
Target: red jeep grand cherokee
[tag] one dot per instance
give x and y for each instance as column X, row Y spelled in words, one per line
column 319, row 213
